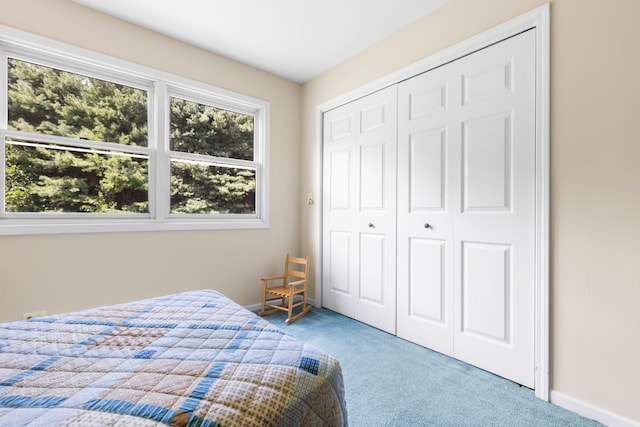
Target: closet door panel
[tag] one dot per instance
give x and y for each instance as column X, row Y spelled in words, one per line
column 338, row 277
column 486, row 151
column 486, row 290
column 340, row 170
column 425, row 233
column 495, row 225
column 376, row 300
column 372, row 178
column 372, row 254
column 427, row 280
column 359, row 145
column 427, row 168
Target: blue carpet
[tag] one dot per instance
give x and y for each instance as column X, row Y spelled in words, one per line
column 392, row 382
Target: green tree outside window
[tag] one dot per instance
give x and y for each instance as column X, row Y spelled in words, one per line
column 48, row 177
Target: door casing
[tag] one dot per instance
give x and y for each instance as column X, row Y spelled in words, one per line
column 539, row 20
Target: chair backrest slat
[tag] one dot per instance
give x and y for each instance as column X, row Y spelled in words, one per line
column 296, row 273
column 303, row 267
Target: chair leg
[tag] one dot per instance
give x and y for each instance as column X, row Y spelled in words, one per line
column 290, row 308
column 264, row 310
column 264, row 297
column 305, row 308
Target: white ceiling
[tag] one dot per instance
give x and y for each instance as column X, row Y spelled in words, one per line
column 295, row 39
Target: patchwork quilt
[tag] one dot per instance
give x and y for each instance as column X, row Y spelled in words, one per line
column 190, row 359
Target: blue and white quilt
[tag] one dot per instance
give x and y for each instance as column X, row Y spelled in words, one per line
column 190, row 359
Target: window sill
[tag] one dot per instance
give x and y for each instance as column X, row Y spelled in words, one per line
column 17, row 227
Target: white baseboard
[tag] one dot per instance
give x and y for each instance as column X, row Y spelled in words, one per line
column 258, row 306
column 590, row 411
column 254, row 307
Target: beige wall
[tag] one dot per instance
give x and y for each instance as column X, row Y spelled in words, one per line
column 595, row 182
column 595, row 176
column 70, row 272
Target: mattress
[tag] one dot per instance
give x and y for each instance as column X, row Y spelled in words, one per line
column 190, row 359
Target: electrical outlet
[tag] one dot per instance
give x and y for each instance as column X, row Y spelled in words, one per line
column 34, row 314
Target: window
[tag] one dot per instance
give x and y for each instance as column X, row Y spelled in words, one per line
column 78, row 144
column 91, row 143
column 212, row 164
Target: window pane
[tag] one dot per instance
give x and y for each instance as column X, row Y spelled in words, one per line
column 203, row 129
column 53, row 102
column 207, row 189
column 50, row 178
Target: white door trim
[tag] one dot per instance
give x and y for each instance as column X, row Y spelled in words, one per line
column 539, row 19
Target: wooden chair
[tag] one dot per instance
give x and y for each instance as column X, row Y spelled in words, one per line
column 292, row 285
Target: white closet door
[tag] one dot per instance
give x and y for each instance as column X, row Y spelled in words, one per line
column 467, row 168
column 495, row 222
column 426, row 167
column 359, row 217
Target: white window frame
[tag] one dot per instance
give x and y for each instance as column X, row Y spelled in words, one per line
column 160, row 86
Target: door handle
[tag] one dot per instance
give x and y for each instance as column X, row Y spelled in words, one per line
column 371, row 225
column 427, row 225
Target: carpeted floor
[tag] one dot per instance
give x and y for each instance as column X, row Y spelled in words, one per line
column 392, row 382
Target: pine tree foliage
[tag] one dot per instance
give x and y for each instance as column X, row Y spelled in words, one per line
column 45, row 177
column 206, row 130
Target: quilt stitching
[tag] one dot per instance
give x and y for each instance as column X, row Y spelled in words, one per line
column 195, row 358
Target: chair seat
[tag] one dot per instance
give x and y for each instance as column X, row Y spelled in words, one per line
column 284, row 291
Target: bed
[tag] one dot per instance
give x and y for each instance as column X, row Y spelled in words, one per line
column 190, row 359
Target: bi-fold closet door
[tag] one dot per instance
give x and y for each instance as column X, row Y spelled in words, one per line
column 359, row 209
column 466, row 209
column 464, row 212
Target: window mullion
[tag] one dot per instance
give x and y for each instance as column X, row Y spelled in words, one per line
column 4, row 98
column 4, row 120
column 2, row 175
column 160, row 141
column 261, row 157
